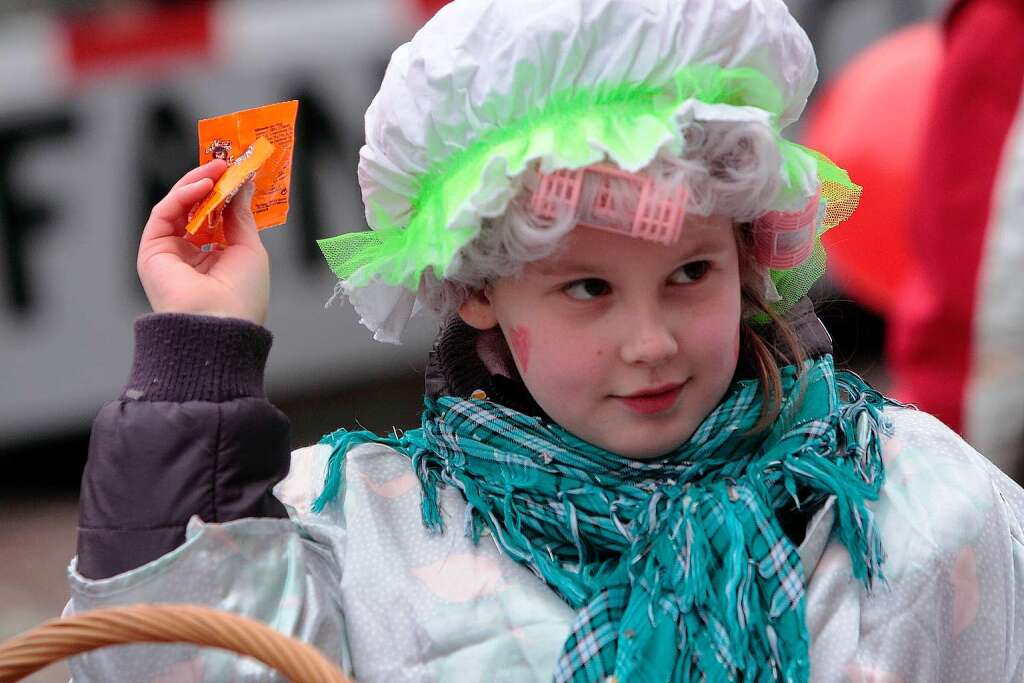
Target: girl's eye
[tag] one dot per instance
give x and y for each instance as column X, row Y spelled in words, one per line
column 584, row 290
column 691, row 272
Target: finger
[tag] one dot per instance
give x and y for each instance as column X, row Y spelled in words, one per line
column 155, row 256
column 239, row 222
column 171, row 212
column 179, row 249
column 211, row 169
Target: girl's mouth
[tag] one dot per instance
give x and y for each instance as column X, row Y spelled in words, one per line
column 653, row 401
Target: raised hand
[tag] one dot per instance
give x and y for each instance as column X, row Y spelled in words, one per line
column 178, row 277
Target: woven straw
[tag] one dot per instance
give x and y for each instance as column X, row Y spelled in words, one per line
column 60, row 638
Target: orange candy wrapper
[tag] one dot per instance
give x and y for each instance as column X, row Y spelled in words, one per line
column 258, row 144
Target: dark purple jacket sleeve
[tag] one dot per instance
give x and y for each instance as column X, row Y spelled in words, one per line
column 192, row 434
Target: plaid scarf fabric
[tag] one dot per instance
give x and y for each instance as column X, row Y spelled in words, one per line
column 678, row 567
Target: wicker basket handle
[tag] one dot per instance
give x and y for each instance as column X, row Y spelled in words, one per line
column 60, row 638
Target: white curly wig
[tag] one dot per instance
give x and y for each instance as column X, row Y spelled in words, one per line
column 729, row 169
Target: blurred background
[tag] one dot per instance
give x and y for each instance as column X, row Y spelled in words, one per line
column 98, row 108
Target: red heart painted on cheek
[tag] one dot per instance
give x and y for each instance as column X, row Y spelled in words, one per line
column 519, row 337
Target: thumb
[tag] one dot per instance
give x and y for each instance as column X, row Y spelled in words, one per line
column 239, row 222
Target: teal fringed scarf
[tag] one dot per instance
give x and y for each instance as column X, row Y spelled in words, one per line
column 678, row 567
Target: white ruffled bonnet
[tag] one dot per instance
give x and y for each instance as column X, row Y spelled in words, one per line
column 487, row 86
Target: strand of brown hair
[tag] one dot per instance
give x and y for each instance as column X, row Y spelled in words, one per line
column 765, row 354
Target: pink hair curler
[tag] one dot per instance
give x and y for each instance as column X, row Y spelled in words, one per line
column 784, row 239
column 651, row 218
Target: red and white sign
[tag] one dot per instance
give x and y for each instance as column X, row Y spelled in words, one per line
column 97, row 119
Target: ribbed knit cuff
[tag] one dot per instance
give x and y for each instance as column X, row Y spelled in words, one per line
column 181, row 357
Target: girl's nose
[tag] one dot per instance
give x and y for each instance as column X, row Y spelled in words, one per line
column 649, row 341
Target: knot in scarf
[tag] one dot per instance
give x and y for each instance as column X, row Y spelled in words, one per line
column 678, row 567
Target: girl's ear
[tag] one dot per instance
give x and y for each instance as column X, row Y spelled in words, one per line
column 477, row 311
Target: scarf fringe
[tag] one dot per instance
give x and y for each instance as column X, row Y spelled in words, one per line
column 723, row 631
column 341, row 441
column 861, row 428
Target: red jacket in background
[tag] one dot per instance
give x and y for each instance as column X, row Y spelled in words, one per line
column 956, row 329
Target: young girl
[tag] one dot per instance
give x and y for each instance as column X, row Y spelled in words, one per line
column 636, row 460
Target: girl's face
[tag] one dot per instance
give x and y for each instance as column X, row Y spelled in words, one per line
column 626, row 343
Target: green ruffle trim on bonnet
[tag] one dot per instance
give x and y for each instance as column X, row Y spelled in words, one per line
column 628, row 124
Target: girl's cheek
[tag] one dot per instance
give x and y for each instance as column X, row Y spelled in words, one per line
column 567, row 365
column 557, row 358
column 519, row 339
